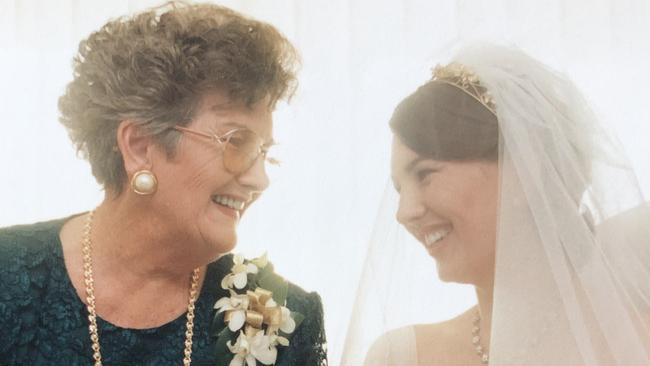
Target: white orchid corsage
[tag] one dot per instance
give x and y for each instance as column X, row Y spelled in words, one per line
column 253, row 321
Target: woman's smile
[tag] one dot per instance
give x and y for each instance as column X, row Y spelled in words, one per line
column 229, row 205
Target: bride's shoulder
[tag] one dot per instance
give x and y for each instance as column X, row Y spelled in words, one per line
column 395, row 347
column 430, row 342
column 437, row 340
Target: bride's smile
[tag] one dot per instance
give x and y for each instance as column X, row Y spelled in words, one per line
column 432, row 238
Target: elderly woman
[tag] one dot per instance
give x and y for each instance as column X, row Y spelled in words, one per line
column 173, row 109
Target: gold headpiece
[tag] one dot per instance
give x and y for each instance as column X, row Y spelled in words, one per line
column 458, row 75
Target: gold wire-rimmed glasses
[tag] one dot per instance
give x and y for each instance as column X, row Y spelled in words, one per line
column 241, row 148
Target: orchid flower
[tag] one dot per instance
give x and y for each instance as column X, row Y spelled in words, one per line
column 287, row 324
column 261, row 261
column 241, row 349
column 239, row 274
column 262, row 348
column 237, row 305
column 250, row 348
column 258, row 340
column 277, row 339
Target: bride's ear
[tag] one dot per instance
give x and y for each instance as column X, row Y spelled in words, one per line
column 135, row 145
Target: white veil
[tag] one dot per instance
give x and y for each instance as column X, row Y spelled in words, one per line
column 572, row 271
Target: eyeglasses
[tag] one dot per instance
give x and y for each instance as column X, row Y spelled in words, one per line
column 241, row 148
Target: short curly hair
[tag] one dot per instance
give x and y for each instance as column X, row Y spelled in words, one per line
column 153, row 68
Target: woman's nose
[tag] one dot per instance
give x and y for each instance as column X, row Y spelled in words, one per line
column 255, row 178
column 410, row 207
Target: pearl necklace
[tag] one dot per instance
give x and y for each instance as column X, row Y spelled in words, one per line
column 86, row 247
column 476, row 338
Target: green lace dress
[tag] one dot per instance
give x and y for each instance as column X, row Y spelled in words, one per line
column 43, row 321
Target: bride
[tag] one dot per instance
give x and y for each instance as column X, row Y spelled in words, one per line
column 511, row 186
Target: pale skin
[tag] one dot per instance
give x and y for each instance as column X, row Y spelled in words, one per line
column 459, row 197
column 144, row 248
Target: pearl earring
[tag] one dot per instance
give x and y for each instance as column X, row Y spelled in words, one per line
column 144, row 182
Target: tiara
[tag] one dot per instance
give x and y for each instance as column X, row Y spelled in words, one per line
column 458, row 75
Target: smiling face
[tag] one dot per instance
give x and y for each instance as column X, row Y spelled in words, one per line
column 450, row 207
column 197, row 197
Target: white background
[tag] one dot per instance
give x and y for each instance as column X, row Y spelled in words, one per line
column 360, row 57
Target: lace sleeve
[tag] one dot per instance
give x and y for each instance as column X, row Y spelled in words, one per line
column 9, row 322
column 17, row 288
column 308, row 345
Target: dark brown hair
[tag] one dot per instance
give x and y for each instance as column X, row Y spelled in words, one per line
column 153, row 68
column 441, row 122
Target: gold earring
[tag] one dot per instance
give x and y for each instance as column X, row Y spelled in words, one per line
column 144, row 182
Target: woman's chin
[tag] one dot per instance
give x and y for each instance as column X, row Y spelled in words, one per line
column 446, row 277
column 450, row 273
column 219, row 236
column 223, row 240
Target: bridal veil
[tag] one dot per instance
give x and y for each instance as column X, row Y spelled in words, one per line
column 572, row 262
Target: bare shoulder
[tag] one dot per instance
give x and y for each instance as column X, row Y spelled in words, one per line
column 446, row 343
column 396, row 347
column 423, row 344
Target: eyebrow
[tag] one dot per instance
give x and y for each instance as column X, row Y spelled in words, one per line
column 407, row 169
column 219, row 107
column 413, row 163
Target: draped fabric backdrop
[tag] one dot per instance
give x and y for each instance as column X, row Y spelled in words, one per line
column 360, row 58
